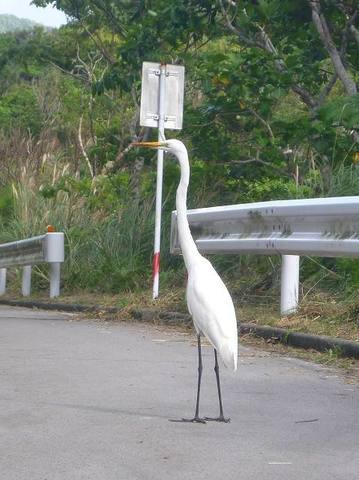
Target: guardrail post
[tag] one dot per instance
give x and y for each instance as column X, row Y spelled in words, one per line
column 55, row 254
column 289, row 284
column 2, row 281
column 55, row 279
column 26, row 281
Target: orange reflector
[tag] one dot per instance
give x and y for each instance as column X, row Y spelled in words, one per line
column 50, row 229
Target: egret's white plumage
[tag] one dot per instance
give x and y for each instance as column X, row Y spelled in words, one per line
column 208, row 299
column 212, row 311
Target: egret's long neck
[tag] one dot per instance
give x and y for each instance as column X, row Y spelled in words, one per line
column 188, row 246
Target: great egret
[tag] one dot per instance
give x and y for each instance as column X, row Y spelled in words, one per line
column 208, row 299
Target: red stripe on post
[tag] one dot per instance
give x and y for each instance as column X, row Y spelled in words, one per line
column 156, row 264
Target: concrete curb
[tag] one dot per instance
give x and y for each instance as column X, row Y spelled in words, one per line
column 63, row 307
column 345, row 348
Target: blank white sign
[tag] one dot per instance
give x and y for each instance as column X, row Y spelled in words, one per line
column 174, row 92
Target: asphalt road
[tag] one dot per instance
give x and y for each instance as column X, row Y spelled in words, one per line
column 90, row 400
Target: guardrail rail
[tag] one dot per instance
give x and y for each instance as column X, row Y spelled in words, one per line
column 327, row 227
column 47, row 248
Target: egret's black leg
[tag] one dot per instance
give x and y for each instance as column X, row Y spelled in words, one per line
column 196, row 418
column 200, row 368
column 221, row 417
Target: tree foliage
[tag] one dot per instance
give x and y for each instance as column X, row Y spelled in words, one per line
column 246, row 60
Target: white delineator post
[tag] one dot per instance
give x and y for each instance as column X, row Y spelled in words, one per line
column 2, row 281
column 289, row 284
column 161, row 138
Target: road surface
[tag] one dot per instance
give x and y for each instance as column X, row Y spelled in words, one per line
column 84, row 399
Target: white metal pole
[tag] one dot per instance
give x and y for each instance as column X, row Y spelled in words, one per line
column 289, row 284
column 26, row 281
column 55, row 269
column 161, row 137
column 2, row 281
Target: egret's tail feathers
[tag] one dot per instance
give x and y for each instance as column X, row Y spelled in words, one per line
column 229, row 354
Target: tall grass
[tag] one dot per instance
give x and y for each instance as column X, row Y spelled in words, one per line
column 111, row 253
column 109, row 248
column 105, row 251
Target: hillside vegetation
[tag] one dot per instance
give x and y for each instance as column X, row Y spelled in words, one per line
column 11, row 23
column 271, row 112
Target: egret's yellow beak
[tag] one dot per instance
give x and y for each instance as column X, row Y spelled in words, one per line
column 149, row 144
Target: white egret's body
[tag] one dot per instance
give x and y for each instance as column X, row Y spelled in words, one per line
column 212, row 311
column 208, row 299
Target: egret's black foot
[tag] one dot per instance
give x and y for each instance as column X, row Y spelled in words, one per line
column 217, row 419
column 190, row 420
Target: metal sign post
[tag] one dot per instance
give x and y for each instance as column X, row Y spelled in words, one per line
column 161, row 107
column 158, row 216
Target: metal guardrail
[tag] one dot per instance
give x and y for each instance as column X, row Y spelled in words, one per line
column 23, row 252
column 320, row 226
column 48, row 248
column 326, row 227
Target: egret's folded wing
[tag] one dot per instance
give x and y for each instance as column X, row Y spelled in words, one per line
column 211, row 305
